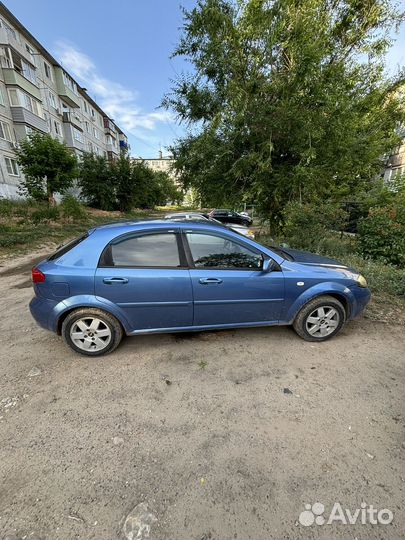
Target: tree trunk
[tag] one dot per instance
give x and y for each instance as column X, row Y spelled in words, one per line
column 51, row 198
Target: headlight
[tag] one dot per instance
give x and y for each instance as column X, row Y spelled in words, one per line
column 361, row 281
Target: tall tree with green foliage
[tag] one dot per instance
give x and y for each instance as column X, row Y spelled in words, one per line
column 48, row 167
column 288, row 100
column 95, row 182
column 122, row 184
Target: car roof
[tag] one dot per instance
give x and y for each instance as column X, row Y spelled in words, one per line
column 156, row 223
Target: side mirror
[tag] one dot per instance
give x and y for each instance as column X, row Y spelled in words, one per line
column 267, row 265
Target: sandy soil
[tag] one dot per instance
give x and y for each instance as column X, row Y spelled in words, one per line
column 215, row 435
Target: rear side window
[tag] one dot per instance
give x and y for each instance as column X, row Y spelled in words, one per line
column 62, row 250
column 151, row 250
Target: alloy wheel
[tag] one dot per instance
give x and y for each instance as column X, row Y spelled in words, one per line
column 322, row 321
column 90, row 334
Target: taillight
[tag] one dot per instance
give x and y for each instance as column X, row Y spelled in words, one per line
column 37, row 276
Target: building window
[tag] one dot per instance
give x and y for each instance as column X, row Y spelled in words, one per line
column 5, row 131
column 77, row 135
column 69, row 82
column 48, row 71
column 96, row 133
column 52, row 99
column 12, row 167
column 85, row 107
column 31, row 104
column 57, row 126
column 28, row 72
column 12, row 94
column 87, row 126
column 1, row 96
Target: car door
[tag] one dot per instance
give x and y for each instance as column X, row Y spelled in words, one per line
column 229, row 284
column 146, row 275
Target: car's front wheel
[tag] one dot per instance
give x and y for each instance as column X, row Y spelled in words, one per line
column 91, row 332
column 320, row 319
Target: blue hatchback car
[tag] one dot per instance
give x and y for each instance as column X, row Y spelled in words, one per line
column 161, row 276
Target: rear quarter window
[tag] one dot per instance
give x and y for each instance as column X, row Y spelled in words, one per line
column 65, row 248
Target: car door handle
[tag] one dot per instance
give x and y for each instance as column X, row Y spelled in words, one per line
column 207, row 281
column 117, row 280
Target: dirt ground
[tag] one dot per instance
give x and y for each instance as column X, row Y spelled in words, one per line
column 211, row 435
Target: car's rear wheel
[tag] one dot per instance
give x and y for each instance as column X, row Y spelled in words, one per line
column 320, row 319
column 92, row 332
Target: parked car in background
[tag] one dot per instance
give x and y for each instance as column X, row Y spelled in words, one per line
column 195, row 216
column 175, row 276
column 229, row 216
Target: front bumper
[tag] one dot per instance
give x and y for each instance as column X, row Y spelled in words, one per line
column 362, row 297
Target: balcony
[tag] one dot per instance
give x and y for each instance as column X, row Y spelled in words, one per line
column 24, row 116
column 7, row 39
column 72, row 118
column 12, row 77
column 111, row 149
column 109, row 126
column 64, row 91
column 123, row 145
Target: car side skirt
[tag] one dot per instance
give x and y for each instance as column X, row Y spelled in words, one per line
column 201, row 328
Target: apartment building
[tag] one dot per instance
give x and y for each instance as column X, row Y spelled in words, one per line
column 159, row 164
column 38, row 94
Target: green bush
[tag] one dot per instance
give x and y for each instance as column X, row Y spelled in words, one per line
column 71, row 208
column 50, row 213
column 382, row 278
column 306, row 226
column 381, row 235
column 6, row 207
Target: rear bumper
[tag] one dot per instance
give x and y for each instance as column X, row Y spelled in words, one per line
column 43, row 311
column 361, row 299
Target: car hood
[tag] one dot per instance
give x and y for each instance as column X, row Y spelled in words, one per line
column 312, row 259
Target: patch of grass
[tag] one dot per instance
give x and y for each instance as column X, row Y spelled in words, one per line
column 25, row 225
column 202, row 364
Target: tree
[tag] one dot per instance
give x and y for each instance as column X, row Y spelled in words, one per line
column 288, row 100
column 95, row 182
column 124, row 183
column 48, row 166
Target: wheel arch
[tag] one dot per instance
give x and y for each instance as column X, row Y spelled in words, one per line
column 82, row 303
column 340, row 293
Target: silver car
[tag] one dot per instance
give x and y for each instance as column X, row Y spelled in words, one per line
column 196, row 216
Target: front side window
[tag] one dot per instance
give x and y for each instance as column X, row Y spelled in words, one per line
column 210, row 251
column 151, row 250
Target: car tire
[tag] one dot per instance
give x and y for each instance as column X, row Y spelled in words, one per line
column 320, row 319
column 107, row 329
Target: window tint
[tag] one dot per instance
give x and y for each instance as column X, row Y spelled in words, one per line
column 210, row 251
column 148, row 250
